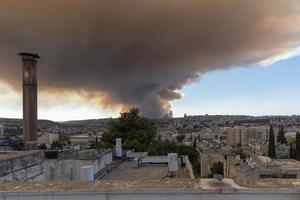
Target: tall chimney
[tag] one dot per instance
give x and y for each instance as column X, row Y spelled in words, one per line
column 29, row 100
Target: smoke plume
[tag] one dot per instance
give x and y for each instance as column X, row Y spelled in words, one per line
column 141, row 52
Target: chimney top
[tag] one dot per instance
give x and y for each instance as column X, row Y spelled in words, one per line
column 36, row 56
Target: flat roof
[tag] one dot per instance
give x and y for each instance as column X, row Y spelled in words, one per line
column 127, row 171
column 10, row 155
column 29, row 54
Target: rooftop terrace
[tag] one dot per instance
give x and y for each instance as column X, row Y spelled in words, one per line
column 127, row 171
column 10, row 155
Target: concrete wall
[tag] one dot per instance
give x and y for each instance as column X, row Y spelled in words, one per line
column 204, row 159
column 171, row 189
column 130, row 154
column 158, row 194
column 80, row 139
column 119, row 150
column 27, row 167
column 189, row 167
column 69, row 169
column 154, row 159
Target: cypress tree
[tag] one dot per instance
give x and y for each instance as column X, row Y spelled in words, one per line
column 271, row 149
column 292, row 151
column 281, row 137
column 96, row 141
column 298, row 146
column 195, row 143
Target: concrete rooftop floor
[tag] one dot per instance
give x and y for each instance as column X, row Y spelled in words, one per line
column 127, row 171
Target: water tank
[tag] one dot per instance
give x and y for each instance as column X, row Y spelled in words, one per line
column 87, row 173
column 173, row 163
column 119, row 151
column 51, row 154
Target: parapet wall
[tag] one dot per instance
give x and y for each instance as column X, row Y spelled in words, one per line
column 69, row 169
column 151, row 195
column 205, row 189
column 189, row 167
column 21, row 166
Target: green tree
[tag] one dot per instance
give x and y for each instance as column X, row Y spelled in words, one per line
column 139, row 133
column 195, row 143
column 165, row 147
column 62, row 141
column 96, row 144
column 298, row 146
column 271, row 148
column 64, row 138
column 292, row 151
column 42, row 146
column 281, row 137
column 180, row 138
column 136, row 131
column 217, row 168
column 57, row 145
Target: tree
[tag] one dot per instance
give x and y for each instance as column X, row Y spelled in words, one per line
column 217, row 168
column 180, row 138
column 298, row 146
column 195, row 143
column 281, row 137
column 64, row 138
column 271, row 149
column 136, row 131
column 96, row 144
column 56, row 145
column 42, row 146
column 165, row 147
column 292, row 151
column 139, row 133
column 62, row 141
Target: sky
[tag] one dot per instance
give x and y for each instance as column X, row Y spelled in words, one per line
column 99, row 58
column 252, row 90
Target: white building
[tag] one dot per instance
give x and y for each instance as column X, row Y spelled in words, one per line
column 47, row 138
column 282, row 151
column 264, row 167
column 1, row 130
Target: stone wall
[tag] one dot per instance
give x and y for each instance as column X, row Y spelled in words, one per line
column 21, row 166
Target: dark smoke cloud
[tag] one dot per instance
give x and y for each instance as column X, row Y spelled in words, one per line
column 139, row 52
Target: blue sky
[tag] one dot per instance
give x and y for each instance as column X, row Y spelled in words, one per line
column 253, row 90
